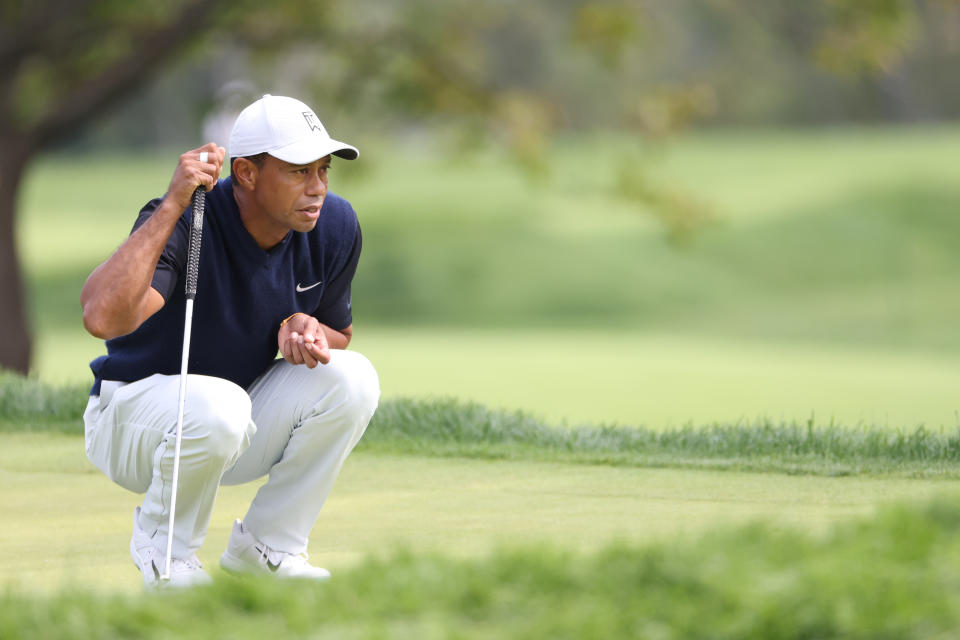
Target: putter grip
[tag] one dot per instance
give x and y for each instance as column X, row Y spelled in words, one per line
column 196, row 233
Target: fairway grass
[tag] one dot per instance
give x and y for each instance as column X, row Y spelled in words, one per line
column 532, row 536
column 891, row 576
column 66, row 525
column 666, row 380
column 631, row 377
column 806, row 334
column 827, row 287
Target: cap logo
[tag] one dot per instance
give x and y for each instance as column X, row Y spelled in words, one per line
column 312, row 121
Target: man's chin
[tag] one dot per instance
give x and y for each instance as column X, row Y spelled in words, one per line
column 305, row 226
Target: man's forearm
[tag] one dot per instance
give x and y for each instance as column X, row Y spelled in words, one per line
column 116, row 296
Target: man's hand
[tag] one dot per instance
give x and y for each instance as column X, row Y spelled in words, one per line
column 191, row 172
column 118, row 297
column 302, row 340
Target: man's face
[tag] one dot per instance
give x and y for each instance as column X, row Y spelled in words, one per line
column 290, row 195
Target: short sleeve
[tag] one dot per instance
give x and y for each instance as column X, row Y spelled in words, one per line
column 174, row 256
column 335, row 306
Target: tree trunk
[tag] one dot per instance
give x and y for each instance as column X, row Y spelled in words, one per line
column 15, row 339
column 79, row 103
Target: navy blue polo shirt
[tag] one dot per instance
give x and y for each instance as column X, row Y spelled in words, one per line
column 243, row 293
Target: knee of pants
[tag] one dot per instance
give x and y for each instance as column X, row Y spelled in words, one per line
column 217, row 412
column 355, row 383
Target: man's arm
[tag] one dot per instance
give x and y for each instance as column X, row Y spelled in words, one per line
column 117, row 296
column 305, row 340
column 302, row 338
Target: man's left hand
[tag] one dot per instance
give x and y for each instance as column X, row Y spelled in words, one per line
column 302, row 341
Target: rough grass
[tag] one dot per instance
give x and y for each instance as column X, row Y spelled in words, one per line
column 29, row 405
column 448, row 427
column 451, row 427
column 893, row 576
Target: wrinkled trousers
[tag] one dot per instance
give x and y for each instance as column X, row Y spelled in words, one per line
column 295, row 424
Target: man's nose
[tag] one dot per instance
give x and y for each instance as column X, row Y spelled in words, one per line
column 317, row 185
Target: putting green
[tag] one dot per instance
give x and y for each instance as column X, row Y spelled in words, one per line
column 65, row 524
column 632, row 377
column 660, row 380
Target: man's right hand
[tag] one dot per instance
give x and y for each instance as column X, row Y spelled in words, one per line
column 191, row 173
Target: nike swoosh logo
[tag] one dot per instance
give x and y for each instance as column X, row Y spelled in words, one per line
column 271, row 566
column 301, row 288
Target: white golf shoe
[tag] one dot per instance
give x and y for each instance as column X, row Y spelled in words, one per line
column 246, row 554
column 184, row 572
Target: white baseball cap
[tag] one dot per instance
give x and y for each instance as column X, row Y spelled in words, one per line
column 286, row 129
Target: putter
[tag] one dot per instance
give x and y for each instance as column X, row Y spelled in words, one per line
column 193, row 267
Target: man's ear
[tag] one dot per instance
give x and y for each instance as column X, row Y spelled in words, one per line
column 245, row 173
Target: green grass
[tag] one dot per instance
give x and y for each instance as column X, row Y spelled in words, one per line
column 28, row 405
column 821, row 237
column 633, row 377
column 454, row 428
column 825, row 293
column 892, row 576
column 457, row 507
column 827, row 288
column 662, row 380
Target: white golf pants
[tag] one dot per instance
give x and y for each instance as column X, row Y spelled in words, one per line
column 296, row 424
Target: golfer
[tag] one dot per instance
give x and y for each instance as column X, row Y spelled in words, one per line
column 278, row 256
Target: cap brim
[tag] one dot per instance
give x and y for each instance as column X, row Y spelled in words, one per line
column 310, row 150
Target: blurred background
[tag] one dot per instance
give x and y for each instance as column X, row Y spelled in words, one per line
column 646, row 212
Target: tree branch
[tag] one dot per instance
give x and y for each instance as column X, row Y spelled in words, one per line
column 31, row 34
column 123, row 77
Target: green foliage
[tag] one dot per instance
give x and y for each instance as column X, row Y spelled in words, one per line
column 586, row 63
column 448, row 427
column 867, row 39
column 81, row 53
column 892, row 576
column 682, row 215
column 607, row 28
